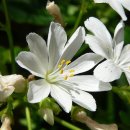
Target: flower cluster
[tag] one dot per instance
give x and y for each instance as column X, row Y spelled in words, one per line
column 61, row 75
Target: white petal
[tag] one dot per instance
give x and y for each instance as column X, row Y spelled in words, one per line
column 84, row 63
column 128, row 76
column 107, row 71
column 56, row 42
column 38, row 90
column 29, row 61
column 73, row 44
column 100, row 1
column 119, row 33
column 62, row 97
column 89, row 83
column 124, row 60
column 37, row 45
column 84, row 99
column 99, row 30
column 6, row 93
column 98, row 46
column 116, row 5
column 126, row 4
column 105, row 86
column 117, row 52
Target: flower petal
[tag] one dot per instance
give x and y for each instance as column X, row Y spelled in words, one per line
column 73, row 44
column 38, row 90
column 107, row 71
column 84, row 63
column 37, row 45
column 124, row 60
column 29, row 61
column 119, row 33
column 98, row 46
column 84, row 99
column 62, row 97
column 56, row 41
column 89, row 83
column 117, row 52
column 128, row 76
column 126, row 4
column 100, row 1
column 99, row 30
column 116, row 5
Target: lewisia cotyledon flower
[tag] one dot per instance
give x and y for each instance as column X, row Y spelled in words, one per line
column 117, row 5
column 118, row 58
column 52, row 63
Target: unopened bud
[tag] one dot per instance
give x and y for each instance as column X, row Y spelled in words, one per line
column 47, row 115
column 6, row 124
column 54, row 10
column 17, row 81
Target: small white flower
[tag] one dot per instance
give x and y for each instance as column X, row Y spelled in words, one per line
column 117, row 5
column 118, row 58
column 52, row 63
column 9, row 84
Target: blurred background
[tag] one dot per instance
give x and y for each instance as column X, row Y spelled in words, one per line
column 20, row 17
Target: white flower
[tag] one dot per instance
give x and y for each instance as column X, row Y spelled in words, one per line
column 9, row 84
column 118, row 58
column 52, row 64
column 117, row 5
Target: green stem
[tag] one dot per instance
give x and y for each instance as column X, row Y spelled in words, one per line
column 110, row 107
column 79, row 16
column 66, row 124
column 9, row 35
column 28, row 117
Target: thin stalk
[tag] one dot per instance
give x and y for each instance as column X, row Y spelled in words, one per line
column 28, row 117
column 9, row 35
column 66, row 124
column 79, row 16
column 110, row 106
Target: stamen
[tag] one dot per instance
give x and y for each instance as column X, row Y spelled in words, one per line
column 62, row 62
column 71, row 75
column 129, row 67
column 61, row 71
column 68, row 62
column 66, row 77
column 59, row 66
column 71, row 71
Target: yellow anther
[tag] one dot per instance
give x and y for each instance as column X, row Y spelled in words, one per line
column 71, row 71
column 62, row 62
column 61, row 71
column 68, row 62
column 66, row 77
column 59, row 66
column 71, row 75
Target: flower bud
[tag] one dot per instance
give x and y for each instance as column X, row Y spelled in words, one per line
column 54, row 10
column 6, row 124
column 17, row 81
column 47, row 115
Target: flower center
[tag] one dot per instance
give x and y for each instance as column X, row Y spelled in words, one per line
column 60, row 73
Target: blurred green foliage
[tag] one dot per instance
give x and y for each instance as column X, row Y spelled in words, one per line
column 31, row 16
